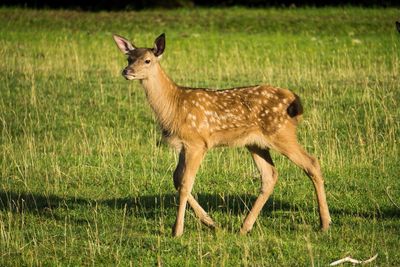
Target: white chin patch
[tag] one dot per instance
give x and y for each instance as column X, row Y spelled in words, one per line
column 129, row 77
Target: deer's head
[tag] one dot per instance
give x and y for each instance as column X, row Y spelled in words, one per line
column 141, row 61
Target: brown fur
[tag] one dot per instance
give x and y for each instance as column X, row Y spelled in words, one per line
column 194, row 120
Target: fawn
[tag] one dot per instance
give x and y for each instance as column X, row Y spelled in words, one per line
column 194, row 120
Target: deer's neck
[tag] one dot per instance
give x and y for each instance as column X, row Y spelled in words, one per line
column 162, row 94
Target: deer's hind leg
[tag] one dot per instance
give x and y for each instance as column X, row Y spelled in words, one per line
column 269, row 177
column 287, row 144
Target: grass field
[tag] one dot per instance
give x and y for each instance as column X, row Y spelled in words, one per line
column 85, row 181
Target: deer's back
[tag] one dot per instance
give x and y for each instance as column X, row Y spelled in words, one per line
column 225, row 117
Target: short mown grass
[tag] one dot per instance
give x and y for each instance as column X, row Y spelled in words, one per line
column 85, row 181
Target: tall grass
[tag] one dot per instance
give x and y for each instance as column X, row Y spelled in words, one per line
column 84, row 180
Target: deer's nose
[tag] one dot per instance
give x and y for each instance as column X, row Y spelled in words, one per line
column 125, row 72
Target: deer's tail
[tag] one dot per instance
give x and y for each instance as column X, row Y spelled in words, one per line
column 295, row 109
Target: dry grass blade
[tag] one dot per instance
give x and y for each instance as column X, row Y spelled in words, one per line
column 354, row 261
column 390, row 197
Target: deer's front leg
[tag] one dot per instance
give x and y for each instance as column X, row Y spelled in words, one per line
column 189, row 162
column 198, row 210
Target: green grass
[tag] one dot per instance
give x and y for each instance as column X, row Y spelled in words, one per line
column 85, row 182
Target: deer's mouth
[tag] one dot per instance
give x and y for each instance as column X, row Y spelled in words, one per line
column 128, row 74
column 129, row 77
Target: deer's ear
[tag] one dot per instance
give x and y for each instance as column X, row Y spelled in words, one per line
column 124, row 45
column 159, row 45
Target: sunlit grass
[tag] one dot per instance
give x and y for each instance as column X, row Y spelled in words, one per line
column 84, row 181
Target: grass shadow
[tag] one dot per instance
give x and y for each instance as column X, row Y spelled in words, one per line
column 151, row 205
column 39, row 204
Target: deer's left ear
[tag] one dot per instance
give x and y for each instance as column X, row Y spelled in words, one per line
column 159, row 45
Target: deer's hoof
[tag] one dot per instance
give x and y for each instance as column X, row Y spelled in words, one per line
column 177, row 231
column 326, row 223
column 207, row 221
column 244, row 230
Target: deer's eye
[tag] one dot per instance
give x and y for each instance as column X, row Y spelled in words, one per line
column 147, row 61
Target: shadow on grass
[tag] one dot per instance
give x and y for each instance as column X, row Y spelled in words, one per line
column 152, row 205
column 44, row 204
